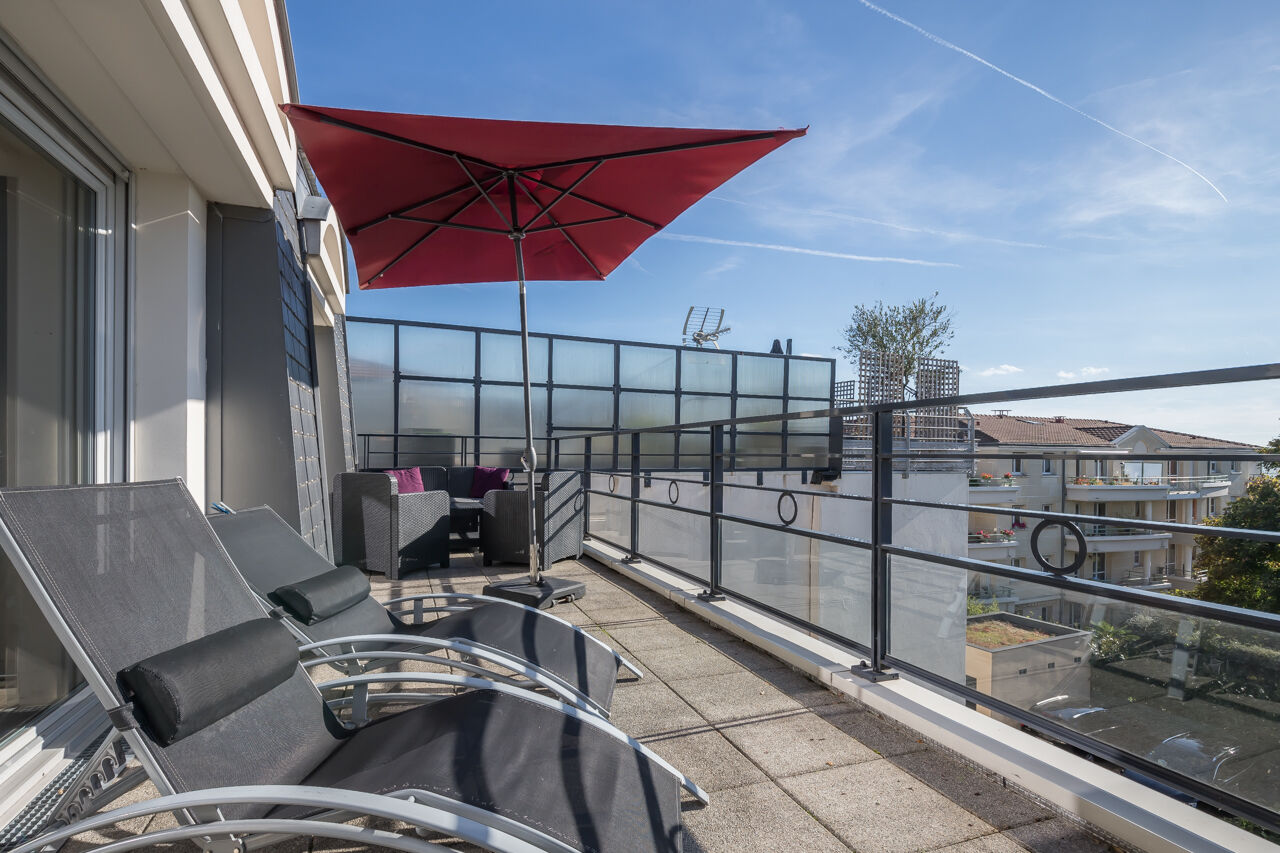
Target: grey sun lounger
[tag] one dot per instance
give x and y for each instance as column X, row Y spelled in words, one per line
column 349, row 625
column 209, row 695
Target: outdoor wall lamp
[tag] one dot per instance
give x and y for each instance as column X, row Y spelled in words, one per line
column 312, row 213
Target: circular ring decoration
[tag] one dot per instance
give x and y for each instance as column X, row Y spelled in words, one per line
column 613, row 484
column 1070, row 527
column 579, row 501
column 795, row 509
column 673, row 491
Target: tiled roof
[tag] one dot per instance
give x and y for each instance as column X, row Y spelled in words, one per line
column 1080, row 432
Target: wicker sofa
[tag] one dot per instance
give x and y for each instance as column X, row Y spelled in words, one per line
column 381, row 530
column 504, row 521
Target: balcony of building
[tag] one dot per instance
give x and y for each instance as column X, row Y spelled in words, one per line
column 987, row 544
column 1117, row 488
column 1207, row 486
column 1107, row 538
column 990, row 490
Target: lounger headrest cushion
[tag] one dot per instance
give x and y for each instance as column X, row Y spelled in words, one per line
column 179, row 692
column 322, row 596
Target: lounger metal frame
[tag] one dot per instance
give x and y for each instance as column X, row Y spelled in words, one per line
column 201, row 821
column 418, row 610
column 376, row 659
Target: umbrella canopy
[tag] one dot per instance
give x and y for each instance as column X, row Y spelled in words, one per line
column 435, row 200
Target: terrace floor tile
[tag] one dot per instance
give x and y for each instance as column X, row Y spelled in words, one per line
column 876, row 806
column 757, row 817
column 791, row 744
column 734, row 696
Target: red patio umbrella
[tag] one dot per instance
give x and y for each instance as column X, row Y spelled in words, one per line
column 436, row 200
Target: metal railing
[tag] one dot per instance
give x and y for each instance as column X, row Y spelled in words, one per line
column 830, row 560
column 1173, row 483
column 688, row 450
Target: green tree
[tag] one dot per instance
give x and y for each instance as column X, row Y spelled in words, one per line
column 1240, row 572
column 1272, row 446
column 910, row 332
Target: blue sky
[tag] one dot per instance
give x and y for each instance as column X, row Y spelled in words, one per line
column 1068, row 250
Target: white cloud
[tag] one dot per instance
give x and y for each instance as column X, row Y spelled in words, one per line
column 1083, row 373
column 1001, row 370
column 729, row 264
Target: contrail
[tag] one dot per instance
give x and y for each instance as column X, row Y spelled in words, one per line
column 848, row 217
column 1033, row 87
column 693, row 238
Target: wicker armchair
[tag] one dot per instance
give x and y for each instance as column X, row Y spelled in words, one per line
column 504, row 521
column 381, row 530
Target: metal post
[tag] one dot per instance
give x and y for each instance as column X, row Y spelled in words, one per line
column 712, row 592
column 881, row 535
column 634, row 556
column 586, row 488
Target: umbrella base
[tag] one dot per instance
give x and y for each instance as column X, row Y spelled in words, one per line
column 543, row 596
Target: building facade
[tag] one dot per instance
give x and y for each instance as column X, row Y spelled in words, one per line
column 1185, row 491
column 164, row 312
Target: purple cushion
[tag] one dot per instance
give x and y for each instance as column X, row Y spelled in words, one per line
column 408, row 480
column 487, row 479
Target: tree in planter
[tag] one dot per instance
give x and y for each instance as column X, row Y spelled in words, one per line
column 910, row 332
column 1240, row 572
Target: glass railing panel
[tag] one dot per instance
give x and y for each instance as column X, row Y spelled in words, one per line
column 821, row 583
column 609, row 518
column 1197, row 696
column 677, row 539
column 443, row 353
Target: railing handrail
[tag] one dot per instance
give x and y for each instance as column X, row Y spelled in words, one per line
column 1154, row 382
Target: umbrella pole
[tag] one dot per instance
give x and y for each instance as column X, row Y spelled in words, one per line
column 530, row 459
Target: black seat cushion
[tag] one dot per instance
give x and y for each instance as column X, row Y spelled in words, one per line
column 325, row 595
column 521, row 760
column 552, row 645
column 181, row 691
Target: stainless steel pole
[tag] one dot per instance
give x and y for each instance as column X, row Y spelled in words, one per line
column 530, row 459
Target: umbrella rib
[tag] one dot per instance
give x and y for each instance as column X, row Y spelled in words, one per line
column 416, row 243
column 600, row 204
column 543, row 211
column 444, row 223
column 392, row 137
column 563, row 233
column 543, row 228
column 485, row 193
column 395, row 213
column 664, row 149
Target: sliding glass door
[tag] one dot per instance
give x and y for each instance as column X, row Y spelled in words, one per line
column 49, row 229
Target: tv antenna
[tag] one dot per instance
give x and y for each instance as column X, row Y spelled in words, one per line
column 704, row 326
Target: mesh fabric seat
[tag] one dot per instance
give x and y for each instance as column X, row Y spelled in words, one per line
column 270, row 554
column 129, row 573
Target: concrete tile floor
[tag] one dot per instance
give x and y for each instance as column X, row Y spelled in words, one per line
column 790, row 765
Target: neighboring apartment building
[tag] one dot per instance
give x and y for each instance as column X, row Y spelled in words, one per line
column 1183, row 491
column 163, row 311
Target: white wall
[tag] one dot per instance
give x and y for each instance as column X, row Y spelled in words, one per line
column 168, row 324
